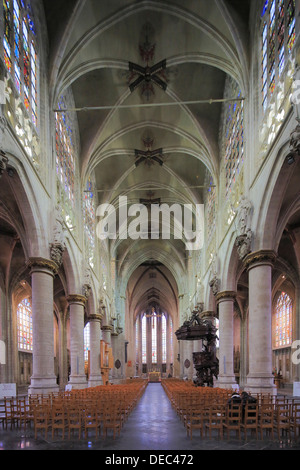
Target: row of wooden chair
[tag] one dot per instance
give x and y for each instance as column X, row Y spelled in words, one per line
column 76, row 419
column 207, row 409
column 94, row 409
column 262, row 420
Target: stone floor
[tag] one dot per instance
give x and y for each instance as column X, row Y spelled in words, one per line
column 152, row 426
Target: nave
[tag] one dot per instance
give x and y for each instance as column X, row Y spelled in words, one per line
column 153, row 425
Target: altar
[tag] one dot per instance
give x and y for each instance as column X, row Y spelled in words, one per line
column 154, row 377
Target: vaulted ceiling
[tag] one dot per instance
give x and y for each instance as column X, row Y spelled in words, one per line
column 194, row 44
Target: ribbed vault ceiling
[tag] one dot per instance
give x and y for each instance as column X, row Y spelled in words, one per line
column 91, row 44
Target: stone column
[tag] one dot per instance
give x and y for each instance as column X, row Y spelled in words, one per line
column 106, row 336
column 76, row 305
column 225, row 301
column 140, row 354
column 95, row 336
column 43, row 379
column 168, row 339
column 106, row 333
column 259, row 378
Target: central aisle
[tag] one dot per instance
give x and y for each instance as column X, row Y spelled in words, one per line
column 153, row 424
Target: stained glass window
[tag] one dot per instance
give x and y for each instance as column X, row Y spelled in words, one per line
column 86, row 341
column 280, row 35
column 7, row 42
column 234, row 138
column 144, row 340
column 164, row 339
column 157, row 334
column 210, row 209
column 24, row 325
column 278, row 38
column 137, row 324
column 265, row 65
column 283, row 321
column 291, row 21
column 272, row 39
column 154, row 340
column 20, row 57
column 65, row 160
column 171, row 341
column 89, row 220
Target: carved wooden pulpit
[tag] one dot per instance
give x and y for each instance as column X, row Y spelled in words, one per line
column 205, row 362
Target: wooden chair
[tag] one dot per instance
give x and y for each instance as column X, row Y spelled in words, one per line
column 295, row 419
column 2, row 415
column 233, row 419
column 23, row 416
column 10, row 412
column 266, row 419
column 282, row 421
column 90, row 420
column 58, row 419
column 250, row 421
column 216, row 419
column 195, row 420
column 112, row 421
column 74, row 417
column 42, row 419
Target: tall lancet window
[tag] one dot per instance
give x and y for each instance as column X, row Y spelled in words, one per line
column 277, row 43
column 86, row 341
column 171, row 341
column 24, row 325
column 89, row 220
column 20, row 53
column 164, row 338
column 66, row 151
column 210, row 210
column 233, row 135
column 282, row 321
column 144, row 339
column 154, row 340
column 65, row 160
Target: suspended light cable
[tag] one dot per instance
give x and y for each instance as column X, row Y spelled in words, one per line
column 147, row 105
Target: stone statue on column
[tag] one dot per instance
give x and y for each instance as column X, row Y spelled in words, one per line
column 295, row 140
column 58, row 246
column 86, row 288
column 295, row 98
column 244, row 232
column 214, row 283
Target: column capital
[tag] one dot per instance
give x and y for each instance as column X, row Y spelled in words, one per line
column 42, row 264
column 225, row 295
column 95, row 317
column 261, row 257
column 106, row 328
column 76, row 299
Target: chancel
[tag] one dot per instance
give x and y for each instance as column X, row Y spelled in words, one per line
column 150, row 116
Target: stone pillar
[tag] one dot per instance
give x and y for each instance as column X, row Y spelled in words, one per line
column 43, row 379
column 106, row 333
column 106, row 336
column 95, row 336
column 225, row 301
column 260, row 378
column 76, row 305
column 140, row 355
column 168, row 338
